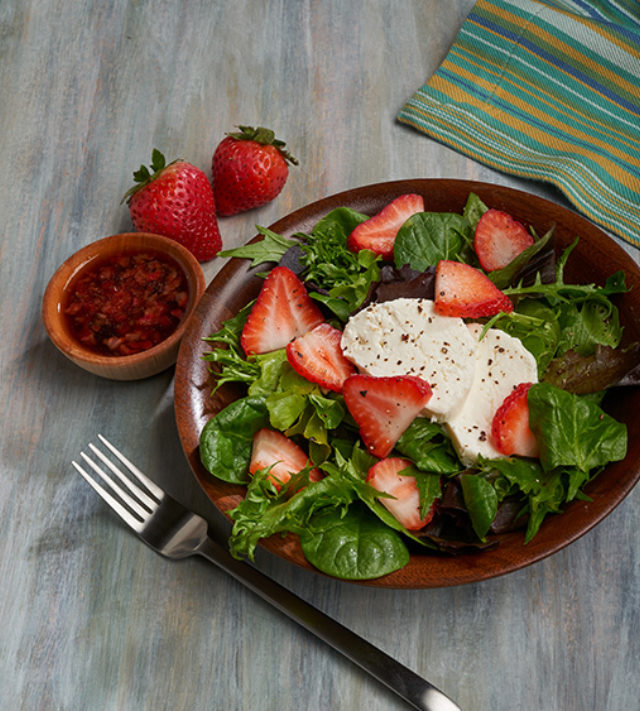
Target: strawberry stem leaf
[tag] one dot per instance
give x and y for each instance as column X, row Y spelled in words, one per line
column 143, row 176
column 265, row 137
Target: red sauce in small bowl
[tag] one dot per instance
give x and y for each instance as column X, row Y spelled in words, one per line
column 126, row 303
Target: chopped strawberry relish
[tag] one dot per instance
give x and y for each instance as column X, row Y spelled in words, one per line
column 127, row 303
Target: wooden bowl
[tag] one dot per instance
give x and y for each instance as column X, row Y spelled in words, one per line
column 125, row 367
column 595, row 257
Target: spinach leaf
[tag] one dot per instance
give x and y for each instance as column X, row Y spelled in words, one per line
column 473, row 210
column 338, row 224
column 573, row 431
column 481, row 501
column 225, row 441
column 352, row 545
column 425, row 443
column 427, row 237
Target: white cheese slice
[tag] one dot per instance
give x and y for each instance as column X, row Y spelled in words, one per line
column 502, row 363
column 407, row 337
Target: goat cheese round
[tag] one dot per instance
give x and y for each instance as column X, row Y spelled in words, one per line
column 406, row 337
column 501, row 364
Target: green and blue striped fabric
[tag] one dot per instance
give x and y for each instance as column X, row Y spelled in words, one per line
column 548, row 90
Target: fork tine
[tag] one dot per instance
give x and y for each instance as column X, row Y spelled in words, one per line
column 142, row 497
column 124, row 496
column 124, row 513
column 151, row 486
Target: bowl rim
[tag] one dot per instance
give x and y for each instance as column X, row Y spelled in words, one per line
column 92, row 252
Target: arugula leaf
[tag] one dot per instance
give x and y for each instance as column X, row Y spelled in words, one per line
column 226, row 439
column 330, row 410
column 352, row 545
column 505, row 276
column 269, row 249
column 583, row 326
column 427, row 237
column 285, row 408
column 270, row 367
column 558, row 292
column 561, row 317
column 428, row 485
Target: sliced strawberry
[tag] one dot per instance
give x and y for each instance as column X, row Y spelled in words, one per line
column 317, row 356
column 385, row 476
column 510, row 429
column 461, row 290
column 383, row 408
column 378, row 233
column 272, row 449
column 282, row 311
column 499, row 239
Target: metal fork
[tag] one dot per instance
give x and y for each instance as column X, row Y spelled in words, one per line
column 175, row 532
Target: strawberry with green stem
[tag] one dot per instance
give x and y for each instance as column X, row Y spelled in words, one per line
column 175, row 200
column 249, row 169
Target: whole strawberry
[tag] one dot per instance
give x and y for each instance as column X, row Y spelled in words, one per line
column 175, row 200
column 249, row 169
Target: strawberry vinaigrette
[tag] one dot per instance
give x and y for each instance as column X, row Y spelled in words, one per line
column 126, row 304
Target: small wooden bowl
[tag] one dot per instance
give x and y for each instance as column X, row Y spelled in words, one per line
column 126, row 367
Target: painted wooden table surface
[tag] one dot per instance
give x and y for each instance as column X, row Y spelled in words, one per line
column 89, row 617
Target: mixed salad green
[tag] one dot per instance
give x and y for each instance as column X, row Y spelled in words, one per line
column 572, row 330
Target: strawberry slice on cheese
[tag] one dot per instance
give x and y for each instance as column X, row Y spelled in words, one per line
column 407, row 337
column 501, row 364
column 510, row 428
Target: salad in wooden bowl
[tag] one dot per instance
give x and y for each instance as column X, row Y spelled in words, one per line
column 415, row 384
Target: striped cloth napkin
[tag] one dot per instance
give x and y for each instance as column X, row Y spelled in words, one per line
column 549, row 90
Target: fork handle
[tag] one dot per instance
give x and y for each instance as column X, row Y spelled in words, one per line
column 413, row 689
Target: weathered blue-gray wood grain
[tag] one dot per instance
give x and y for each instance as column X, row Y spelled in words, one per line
column 89, row 617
